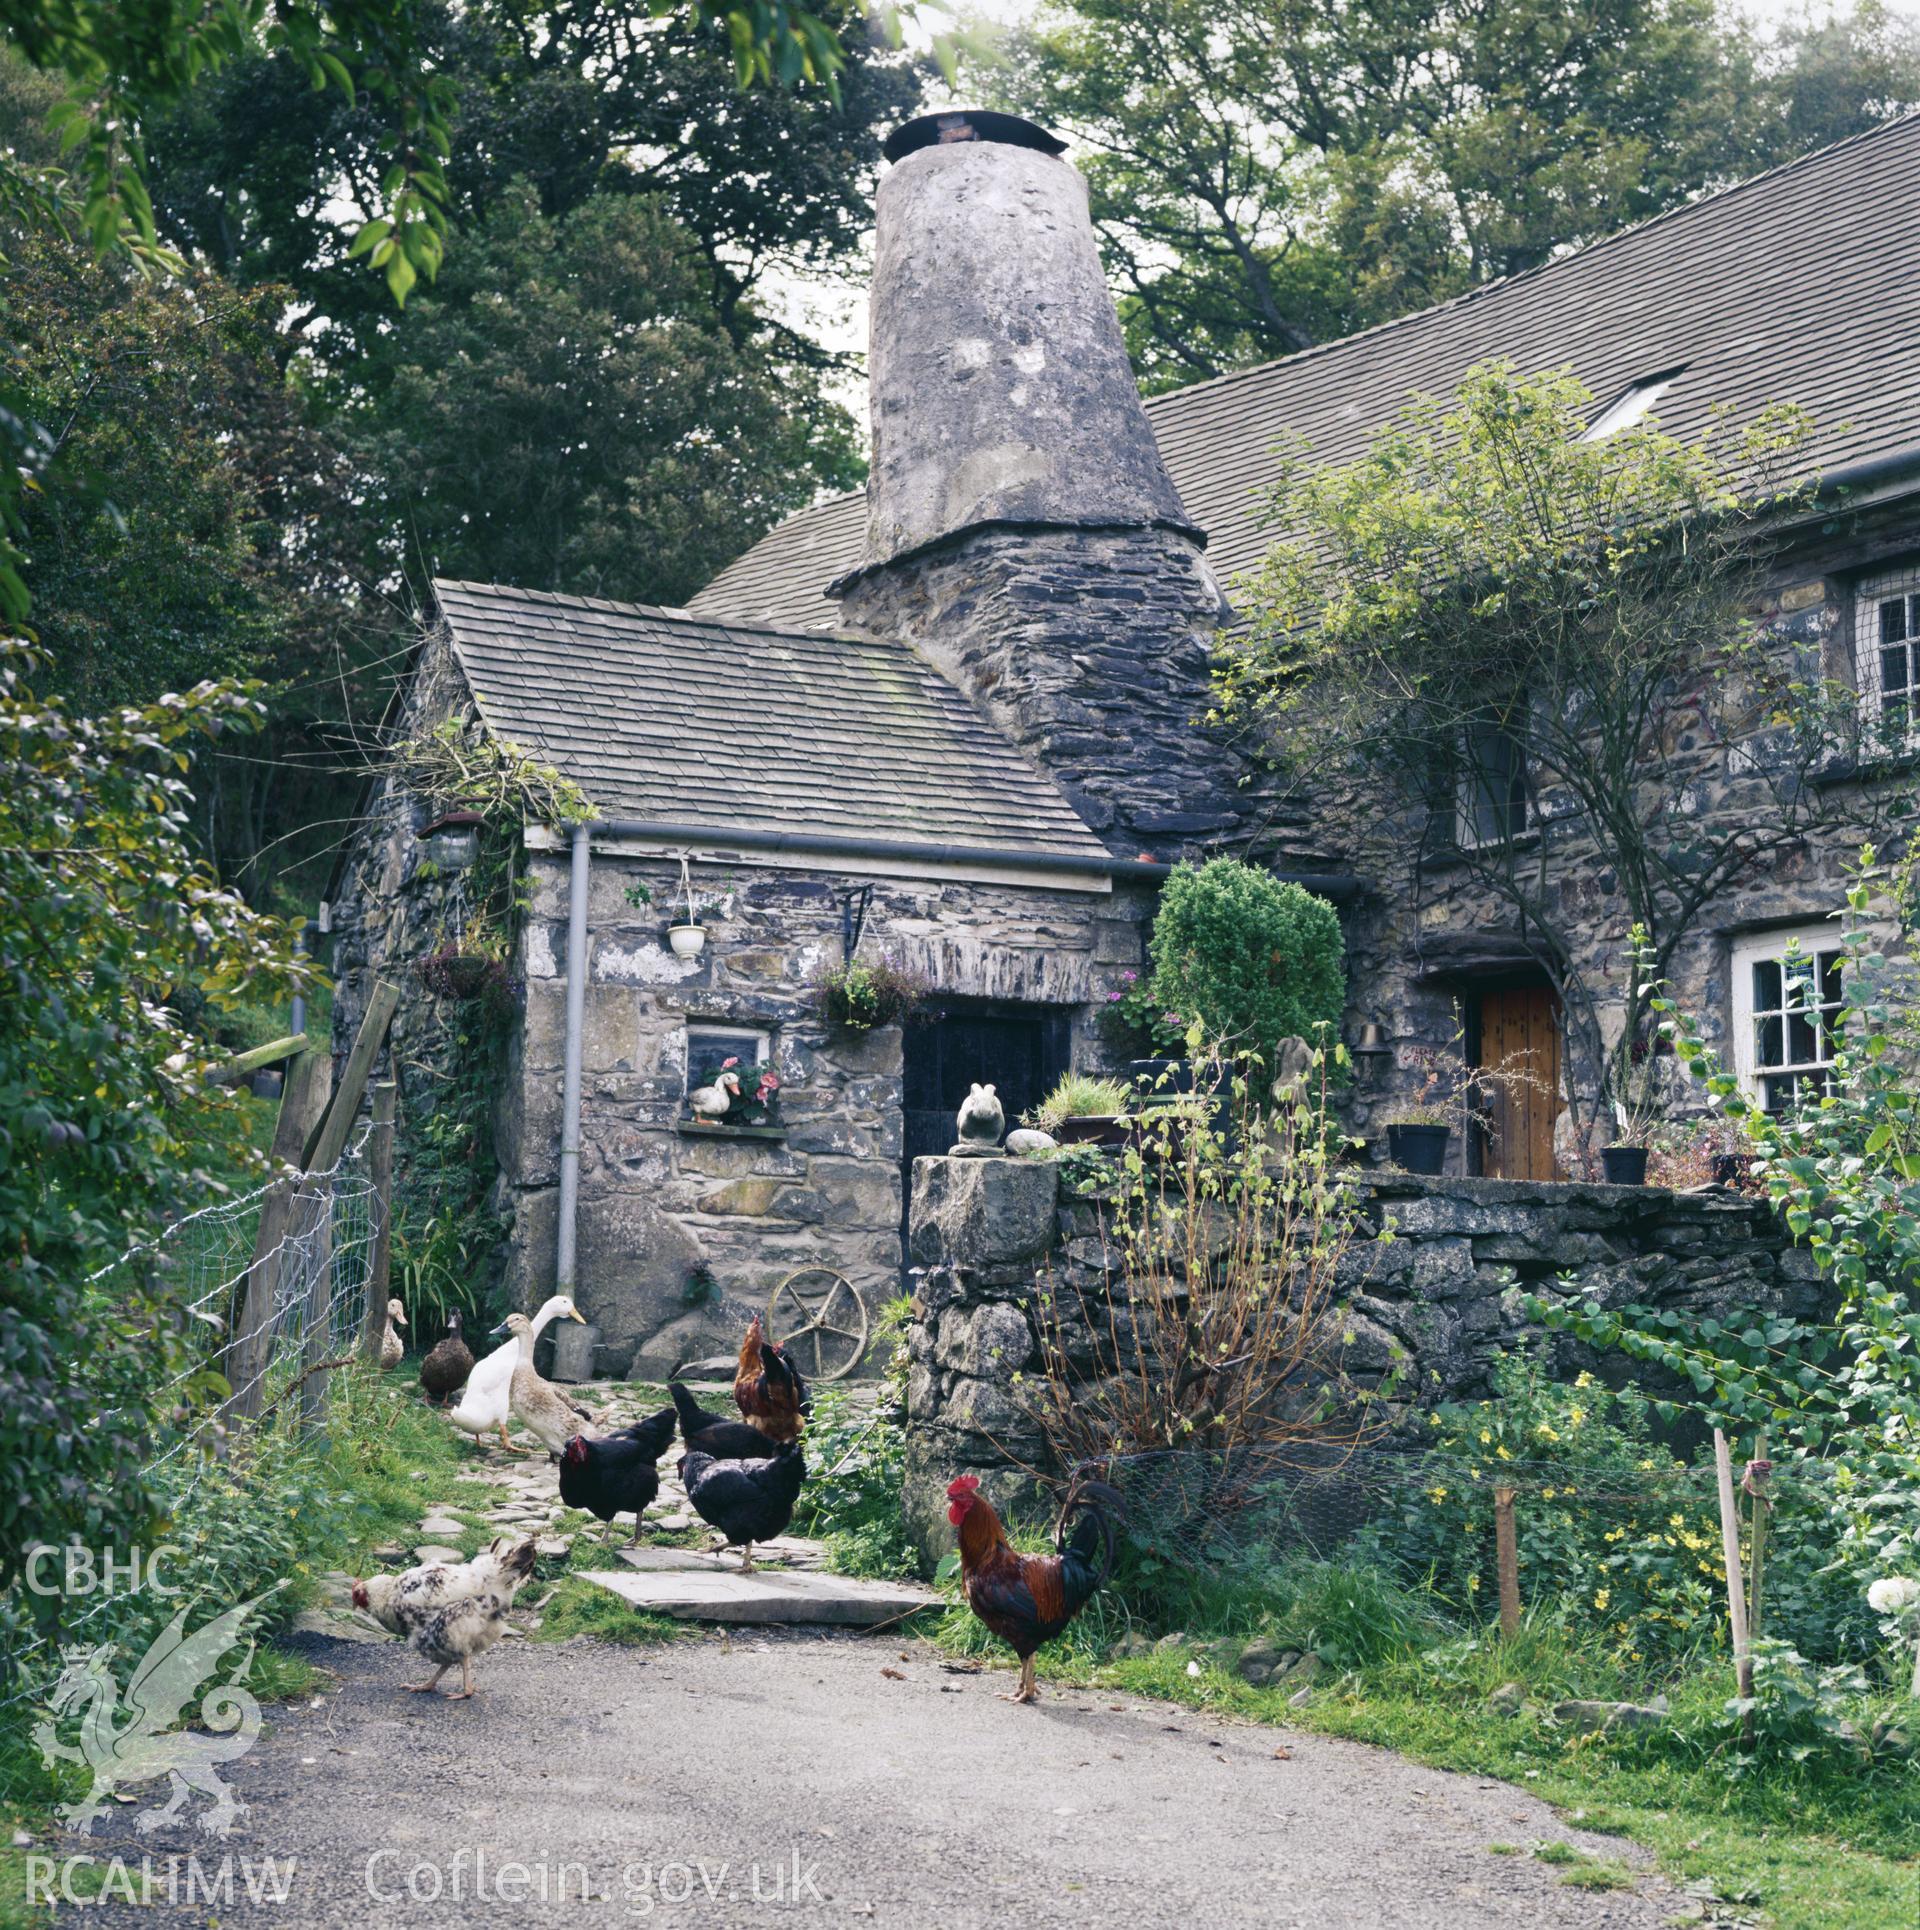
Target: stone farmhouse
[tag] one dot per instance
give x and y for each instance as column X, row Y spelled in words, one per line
column 951, row 722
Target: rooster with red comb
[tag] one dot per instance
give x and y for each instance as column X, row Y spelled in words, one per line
column 1028, row 1599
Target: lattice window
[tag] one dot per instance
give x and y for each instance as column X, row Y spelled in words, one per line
column 1886, row 651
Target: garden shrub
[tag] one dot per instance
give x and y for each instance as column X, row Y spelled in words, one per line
column 1248, row 959
column 1616, row 1535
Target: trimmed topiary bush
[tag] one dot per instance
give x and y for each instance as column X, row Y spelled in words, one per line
column 1251, row 959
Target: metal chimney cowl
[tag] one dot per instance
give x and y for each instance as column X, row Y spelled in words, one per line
column 1001, row 392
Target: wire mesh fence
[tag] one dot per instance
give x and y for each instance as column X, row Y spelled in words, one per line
column 274, row 1286
column 1633, row 1548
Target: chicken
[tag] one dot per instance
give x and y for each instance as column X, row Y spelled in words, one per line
column 747, row 1501
column 1028, row 1599
column 616, row 1475
column 448, row 1363
column 768, row 1389
column 449, row 1611
column 708, row 1433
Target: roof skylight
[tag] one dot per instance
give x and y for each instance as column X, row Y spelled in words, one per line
column 1631, row 404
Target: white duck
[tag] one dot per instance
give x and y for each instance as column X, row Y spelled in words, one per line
column 392, row 1348
column 486, row 1398
column 715, row 1101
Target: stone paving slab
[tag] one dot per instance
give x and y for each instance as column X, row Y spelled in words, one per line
column 780, row 1595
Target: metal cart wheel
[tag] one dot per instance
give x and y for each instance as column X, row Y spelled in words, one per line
column 819, row 1319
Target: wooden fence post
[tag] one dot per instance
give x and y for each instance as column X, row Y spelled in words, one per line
column 1730, row 1553
column 1506, row 1549
column 373, row 1325
column 251, row 1345
column 1755, row 1483
column 328, row 1140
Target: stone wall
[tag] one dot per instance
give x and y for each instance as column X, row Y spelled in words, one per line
column 654, row 1200
column 991, row 1240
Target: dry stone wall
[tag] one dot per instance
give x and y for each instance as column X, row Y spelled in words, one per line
column 991, row 1241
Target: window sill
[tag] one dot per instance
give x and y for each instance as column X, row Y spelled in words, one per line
column 703, row 1129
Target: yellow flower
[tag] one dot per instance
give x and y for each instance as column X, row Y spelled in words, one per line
column 1486, row 1435
column 1677, row 1521
column 1575, row 1415
column 1546, row 1432
column 1583, row 1379
column 1602, row 1596
column 1614, row 1534
column 1502, row 1452
column 1433, row 1420
column 1436, row 1495
column 1473, row 1584
column 1646, row 1467
column 1547, row 1494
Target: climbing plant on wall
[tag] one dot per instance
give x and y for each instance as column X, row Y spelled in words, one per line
column 447, row 1223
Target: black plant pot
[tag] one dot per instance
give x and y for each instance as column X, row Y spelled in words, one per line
column 1419, row 1149
column 1092, row 1129
column 1624, row 1165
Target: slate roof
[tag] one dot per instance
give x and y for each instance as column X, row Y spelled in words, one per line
column 1796, row 286
column 658, row 715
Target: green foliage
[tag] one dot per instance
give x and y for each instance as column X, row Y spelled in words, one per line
column 1248, row 959
column 107, row 918
column 1079, row 1096
column 567, row 387
column 856, row 1456
column 1796, row 1710
column 857, row 997
column 1844, row 1173
column 1617, row 1538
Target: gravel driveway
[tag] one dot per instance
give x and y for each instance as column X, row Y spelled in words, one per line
column 842, row 1779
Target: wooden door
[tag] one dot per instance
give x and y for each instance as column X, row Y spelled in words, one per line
column 1520, row 1031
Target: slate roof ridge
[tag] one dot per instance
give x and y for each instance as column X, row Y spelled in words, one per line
column 684, row 618
column 1484, row 290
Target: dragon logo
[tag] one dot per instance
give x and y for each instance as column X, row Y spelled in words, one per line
column 140, row 1742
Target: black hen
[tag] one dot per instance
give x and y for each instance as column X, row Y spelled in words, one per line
column 706, row 1432
column 616, row 1475
column 747, row 1501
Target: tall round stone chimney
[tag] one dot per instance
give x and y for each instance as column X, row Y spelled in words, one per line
column 1022, row 531
column 1001, row 391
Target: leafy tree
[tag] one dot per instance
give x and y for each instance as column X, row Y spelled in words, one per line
column 566, row 412
column 1536, row 655
column 108, row 922
column 1267, row 174
column 595, row 102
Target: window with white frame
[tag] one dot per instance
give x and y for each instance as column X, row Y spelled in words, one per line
column 1886, row 650
column 1786, row 994
column 714, row 1049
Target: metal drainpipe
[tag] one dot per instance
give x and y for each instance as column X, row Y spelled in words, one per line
column 564, row 1262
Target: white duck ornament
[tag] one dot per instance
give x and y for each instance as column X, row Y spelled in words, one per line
column 715, row 1101
column 486, row 1398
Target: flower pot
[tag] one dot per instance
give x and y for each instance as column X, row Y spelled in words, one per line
column 1624, row 1165
column 688, row 941
column 1419, row 1149
column 1092, row 1129
column 458, row 975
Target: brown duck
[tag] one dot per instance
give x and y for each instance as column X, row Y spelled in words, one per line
column 444, row 1371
